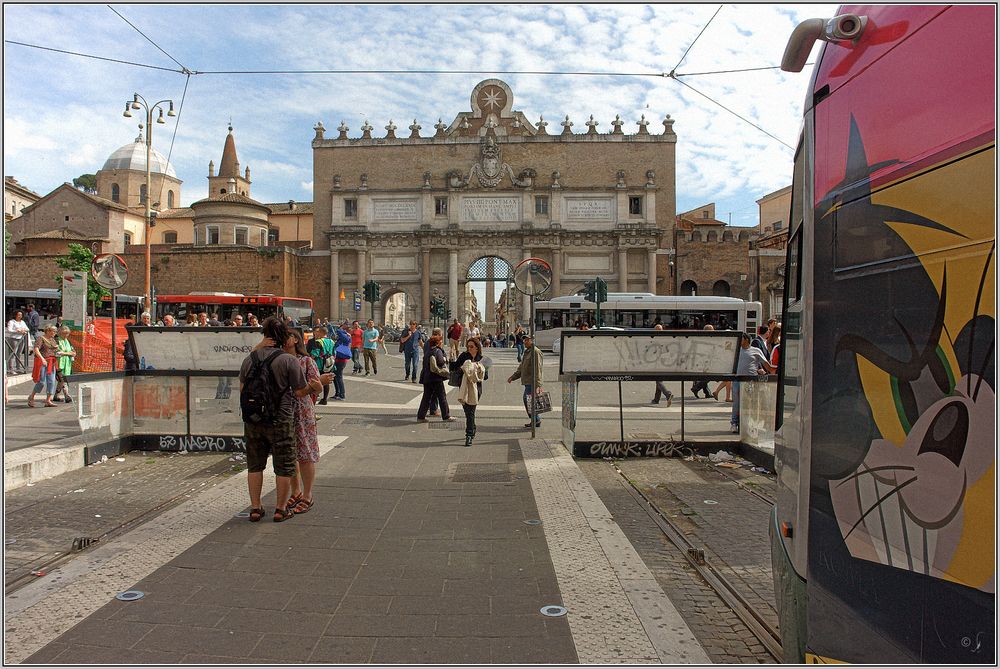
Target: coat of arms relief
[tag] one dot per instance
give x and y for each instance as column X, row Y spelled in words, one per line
column 490, row 169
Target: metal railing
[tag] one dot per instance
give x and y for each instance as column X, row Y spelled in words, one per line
column 17, row 354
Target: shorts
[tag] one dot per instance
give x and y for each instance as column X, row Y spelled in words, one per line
column 276, row 440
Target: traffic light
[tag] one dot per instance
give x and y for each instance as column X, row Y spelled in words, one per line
column 590, row 291
column 602, row 289
column 373, row 291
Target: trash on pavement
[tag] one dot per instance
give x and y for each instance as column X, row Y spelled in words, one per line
column 38, row 572
column 721, row 456
column 727, row 465
column 119, row 459
column 97, row 515
column 710, row 501
column 761, row 470
column 104, row 458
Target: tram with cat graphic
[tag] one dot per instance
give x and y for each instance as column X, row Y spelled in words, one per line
column 884, row 531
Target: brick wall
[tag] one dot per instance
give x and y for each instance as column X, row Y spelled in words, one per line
column 706, row 262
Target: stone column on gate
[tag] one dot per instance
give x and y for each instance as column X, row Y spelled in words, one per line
column 651, row 270
column 425, row 288
column 453, row 283
column 622, row 270
column 335, row 284
column 556, row 289
column 362, row 268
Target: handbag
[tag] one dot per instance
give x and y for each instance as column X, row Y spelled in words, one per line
column 543, row 403
column 437, row 369
column 455, row 378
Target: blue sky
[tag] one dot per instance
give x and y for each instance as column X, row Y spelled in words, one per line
column 63, row 114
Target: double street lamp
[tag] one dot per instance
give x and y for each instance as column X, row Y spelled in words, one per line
column 139, row 102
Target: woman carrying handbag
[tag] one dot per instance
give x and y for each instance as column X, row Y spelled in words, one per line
column 432, row 376
column 470, row 373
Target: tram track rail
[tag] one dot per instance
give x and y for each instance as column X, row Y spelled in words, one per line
column 78, row 547
column 765, row 632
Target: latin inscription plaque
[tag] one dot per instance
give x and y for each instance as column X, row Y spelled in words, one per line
column 491, row 209
column 394, row 210
column 589, row 209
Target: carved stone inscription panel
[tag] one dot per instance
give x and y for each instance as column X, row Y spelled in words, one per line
column 395, row 211
column 491, row 209
column 589, row 209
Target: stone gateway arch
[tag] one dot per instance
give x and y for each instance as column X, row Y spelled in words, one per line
column 415, row 212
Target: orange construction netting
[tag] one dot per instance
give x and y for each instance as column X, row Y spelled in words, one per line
column 93, row 351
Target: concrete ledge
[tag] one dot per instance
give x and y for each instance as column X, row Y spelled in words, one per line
column 36, row 463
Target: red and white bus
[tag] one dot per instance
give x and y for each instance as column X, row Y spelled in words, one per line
column 227, row 305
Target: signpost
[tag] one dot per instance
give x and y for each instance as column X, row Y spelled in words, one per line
column 110, row 271
column 532, row 277
column 357, row 301
column 74, row 299
column 340, row 310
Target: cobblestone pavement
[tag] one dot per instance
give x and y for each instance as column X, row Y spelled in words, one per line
column 725, row 638
column 733, row 531
column 42, row 520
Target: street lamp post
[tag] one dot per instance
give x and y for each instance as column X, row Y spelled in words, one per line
column 139, row 102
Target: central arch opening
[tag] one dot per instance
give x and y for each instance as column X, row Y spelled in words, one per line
column 489, row 299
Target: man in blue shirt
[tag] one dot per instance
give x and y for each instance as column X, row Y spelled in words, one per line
column 412, row 341
column 369, row 347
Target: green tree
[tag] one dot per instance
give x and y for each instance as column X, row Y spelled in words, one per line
column 86, row 181
column 79, row 259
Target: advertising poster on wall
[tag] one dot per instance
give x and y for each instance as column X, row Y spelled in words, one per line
column 74, row 299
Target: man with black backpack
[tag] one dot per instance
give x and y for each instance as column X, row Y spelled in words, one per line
column 269, row 380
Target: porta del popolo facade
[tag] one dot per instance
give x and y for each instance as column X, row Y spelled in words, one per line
column 415, row 211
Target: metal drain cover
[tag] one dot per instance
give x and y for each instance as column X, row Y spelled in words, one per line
column 440, row 425
column 533, row 521
column 480, row 472
column 367, row 422
column 553, row 611
column 242, row 514
column 130, row 595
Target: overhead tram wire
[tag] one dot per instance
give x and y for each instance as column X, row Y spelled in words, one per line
column 88, row 55
column 674, row 69
column 183, row 68
column 742, row 118
column 745, row 69
column 517, row 72
column 177, row 123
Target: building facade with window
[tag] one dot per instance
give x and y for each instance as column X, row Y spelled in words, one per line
column 414, row 211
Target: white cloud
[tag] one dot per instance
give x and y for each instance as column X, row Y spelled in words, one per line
column 65, row 113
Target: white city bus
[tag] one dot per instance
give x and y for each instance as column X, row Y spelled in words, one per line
column 644, row 310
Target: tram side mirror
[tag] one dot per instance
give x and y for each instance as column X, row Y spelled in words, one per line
column 843, row 28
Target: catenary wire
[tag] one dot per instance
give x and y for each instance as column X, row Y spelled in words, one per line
column 742, row 118
column 87, row 55
column 695, row 40
column 180, row 110
column 745, row 69
column 520, row 72
column 148, row 39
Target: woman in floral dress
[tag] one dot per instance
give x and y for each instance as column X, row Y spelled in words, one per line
column 306, row 441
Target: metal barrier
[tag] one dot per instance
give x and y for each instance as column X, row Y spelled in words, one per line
column 17, row 354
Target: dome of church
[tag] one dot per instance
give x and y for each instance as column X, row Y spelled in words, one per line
column 133, row 157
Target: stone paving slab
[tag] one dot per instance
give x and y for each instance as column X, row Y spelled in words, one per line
column 600, row 576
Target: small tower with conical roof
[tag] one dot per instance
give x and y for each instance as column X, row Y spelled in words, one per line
column 228, row 177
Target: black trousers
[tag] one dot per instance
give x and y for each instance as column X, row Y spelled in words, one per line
column 433, row 389
column 700, row 386
column 470, row 419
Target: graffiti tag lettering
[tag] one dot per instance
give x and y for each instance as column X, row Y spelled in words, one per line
column 202, row 443
column 647, row 449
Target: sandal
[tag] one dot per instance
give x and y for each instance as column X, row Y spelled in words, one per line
column 293, row 501
column 256, row 515
column 281, row 515
column 303, row 505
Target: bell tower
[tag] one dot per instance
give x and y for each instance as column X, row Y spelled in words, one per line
column 228, row 179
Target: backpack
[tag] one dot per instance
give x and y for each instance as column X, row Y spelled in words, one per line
column 260, row 399
column 329, row 361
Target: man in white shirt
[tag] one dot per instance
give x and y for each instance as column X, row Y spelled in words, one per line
column 751, row 362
